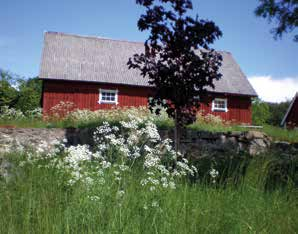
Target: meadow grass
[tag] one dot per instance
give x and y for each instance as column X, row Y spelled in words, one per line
column 39, row 200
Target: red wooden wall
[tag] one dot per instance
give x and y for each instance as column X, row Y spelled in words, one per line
column 86, row 95
column 239, row 108
column 292, row 118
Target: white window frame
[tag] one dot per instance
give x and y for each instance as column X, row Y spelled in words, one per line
column 225, row 109
column 114, row 91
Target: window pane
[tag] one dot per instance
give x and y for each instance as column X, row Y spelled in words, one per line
column 220, row 104
column 108, row 96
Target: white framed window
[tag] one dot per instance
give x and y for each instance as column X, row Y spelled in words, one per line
column 109, row 96
column 220, row 104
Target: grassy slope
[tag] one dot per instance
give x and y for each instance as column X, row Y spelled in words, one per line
column 39, row 202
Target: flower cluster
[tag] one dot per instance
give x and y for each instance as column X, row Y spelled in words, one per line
column 7, row 113
column 11, row 113
column 201, row 117
column 138, row 139
column 213, row 174
column 61, row 110
column 120, row 151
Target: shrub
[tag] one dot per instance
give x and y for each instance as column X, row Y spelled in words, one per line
column 11, row 114
column 260, row 112
column 61, row 110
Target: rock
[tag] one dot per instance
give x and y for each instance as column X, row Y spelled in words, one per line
column 295, row 145
column 6, row 170
column 282, row 145
column 250, row 135
column 242, row 146
column 232, row 140
column 222, row 139
column 259, row 142
column 207, row 135
column 235, row 134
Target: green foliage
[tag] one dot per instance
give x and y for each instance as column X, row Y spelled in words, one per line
column 277, row 112
column 283, row 12
column 8, row 94
column 268, row 113
column 260, row 112
column 29, row 95
column 178, row 60
column 19, row 93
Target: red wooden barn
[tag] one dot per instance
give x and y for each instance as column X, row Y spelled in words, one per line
column 290, row 119
column 92, row 73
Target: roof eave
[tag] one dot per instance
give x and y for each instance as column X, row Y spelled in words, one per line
column 139, row 85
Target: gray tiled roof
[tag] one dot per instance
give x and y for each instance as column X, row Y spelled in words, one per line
column 84, row 58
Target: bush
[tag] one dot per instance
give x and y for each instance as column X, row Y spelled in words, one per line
column 260, row 112
column 8, row 93
column 11, row 114
column 29, row 95
column 277, row 112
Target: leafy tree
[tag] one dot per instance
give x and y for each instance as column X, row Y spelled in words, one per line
column 29, row 94
column 277, row 112
column 260, row 112
column 177, row 60
column 8, row 93
column 284, row 12
column 19, row 93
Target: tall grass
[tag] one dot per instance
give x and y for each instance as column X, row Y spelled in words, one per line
column 39, row 200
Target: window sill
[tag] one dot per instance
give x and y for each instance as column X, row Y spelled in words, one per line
column 106, row 102
column 220, row 110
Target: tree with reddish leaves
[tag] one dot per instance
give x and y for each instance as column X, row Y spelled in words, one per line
column 177, row 59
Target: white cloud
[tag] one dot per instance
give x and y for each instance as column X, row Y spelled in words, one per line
column 274, row 90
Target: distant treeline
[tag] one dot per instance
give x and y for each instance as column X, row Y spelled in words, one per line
column 19, row 93
column 268, row 113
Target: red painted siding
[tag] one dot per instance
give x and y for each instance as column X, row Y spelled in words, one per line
column 239, row 108
column 292, row 118
column 86, row 95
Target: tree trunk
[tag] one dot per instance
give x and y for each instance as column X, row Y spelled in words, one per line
column 177, row 133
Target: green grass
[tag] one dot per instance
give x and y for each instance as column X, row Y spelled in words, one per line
column 38, row 200
column 277, row 133
column 38, row 123
column 281, row 134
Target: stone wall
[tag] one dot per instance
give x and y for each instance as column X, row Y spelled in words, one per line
column 44, row 139
column 253, row 142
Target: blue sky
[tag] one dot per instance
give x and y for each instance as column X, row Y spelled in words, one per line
column 22, row 23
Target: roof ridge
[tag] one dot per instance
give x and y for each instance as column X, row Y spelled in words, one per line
column 91, row 37
column 107, row 38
